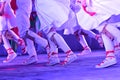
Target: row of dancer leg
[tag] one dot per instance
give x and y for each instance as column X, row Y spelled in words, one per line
column 8, row 20
column 92, row 24
column 7, row 29
column 99, row 16
column 71, row 26
column 49, row 28
column 58, row 22
column 30, row 36
column 52, row 21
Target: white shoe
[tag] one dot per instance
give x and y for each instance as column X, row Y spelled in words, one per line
column 85, row 51
column 10, row 57
column 117, row 49
column 31, row 60
column 54, row 61
column 107, row 62
column 69, row 59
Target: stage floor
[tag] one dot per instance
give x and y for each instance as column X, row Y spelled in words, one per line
column 82, row 69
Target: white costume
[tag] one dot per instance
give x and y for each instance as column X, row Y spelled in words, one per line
column 49, row 7
column 23, row 14
column 71, row 26
column 103, row 11
column 53, row 14
column 5, row 28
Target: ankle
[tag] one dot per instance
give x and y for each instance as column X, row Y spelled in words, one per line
column 110, row 54
column 86, row 48
column 10, row 51
column 69, row 52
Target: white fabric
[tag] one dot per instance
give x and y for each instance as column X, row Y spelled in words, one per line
column 104, row 9
column 6, row 42
column 23, row 23
column 7, row 23
column 23, row 15
column 114, row 31
column 10, row 12
column 83, row 41
column 30, row 47
column 2, row 23
column 24, row 5
column 107, row 43
column 39, row 40
column 3, row 0
column 59, row 41
column 86, row 21
column 7, row 1
column 71, row 22
column 65, row 2
column 51, row 12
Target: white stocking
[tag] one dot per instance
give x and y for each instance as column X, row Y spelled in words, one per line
column 7, row 45
column 30, row 47
column 60, row 41
column 38, row 39
column 108, row 44
column 114, row 31
column 82, row 41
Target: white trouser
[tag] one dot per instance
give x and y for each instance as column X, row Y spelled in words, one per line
column 58, row 39
column 39, row 40
column 14, row 35
column 114, row 31
column 30, row 47
column 53, row 49
column 83, row 41
column 7, row 44
column 108, row 44
column 12, row 18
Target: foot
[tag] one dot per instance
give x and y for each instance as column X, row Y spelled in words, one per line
column 31, row 60
column 117, row 49
column 107, row 62
column 53, row 61
column 69, row 59
column 85, row 51
column 10, row 57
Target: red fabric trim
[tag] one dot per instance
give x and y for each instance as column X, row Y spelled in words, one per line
column 88, row 12
column 108, row 52
column 10, row 51
column 16, row 30
column 68, row 52
column 86, row 48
